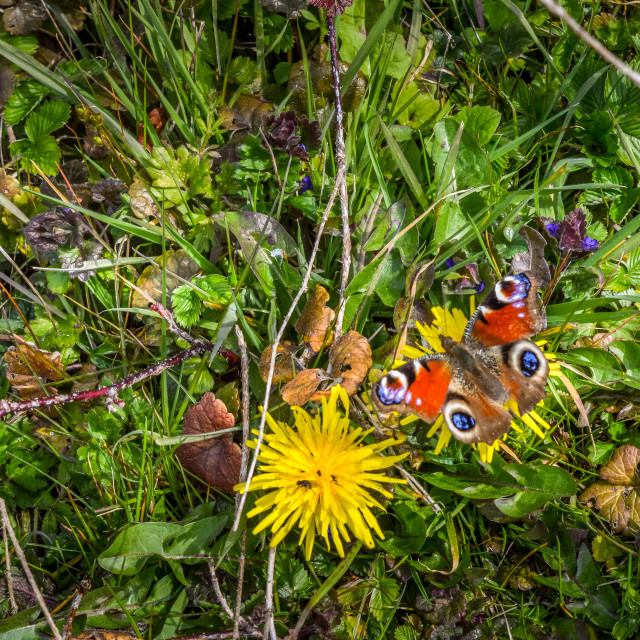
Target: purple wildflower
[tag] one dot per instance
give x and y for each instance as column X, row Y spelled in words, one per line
column 450, row 263
column 552, row 228
column 480, row 287
column 589, row 243
column 305, row 185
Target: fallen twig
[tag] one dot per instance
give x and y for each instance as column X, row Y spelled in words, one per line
column 27, row 571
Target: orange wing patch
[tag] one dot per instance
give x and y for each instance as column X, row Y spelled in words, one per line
column 426, row 394
column 504, row 325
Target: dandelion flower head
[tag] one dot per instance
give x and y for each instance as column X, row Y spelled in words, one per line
column 318, row 475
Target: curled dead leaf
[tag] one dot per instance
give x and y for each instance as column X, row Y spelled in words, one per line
column 618, row 501
column 351, row 360
column 216, row 461
column 302, row 388
column 285, row 364
column 315, row 320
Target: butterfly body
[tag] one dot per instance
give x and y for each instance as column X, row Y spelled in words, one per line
column 472, row 380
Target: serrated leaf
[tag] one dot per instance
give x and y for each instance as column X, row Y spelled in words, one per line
column 44, row 152
column 186, row 305
column 383, row 598
column 25, row 99
column 480, row 123
column 46, row 119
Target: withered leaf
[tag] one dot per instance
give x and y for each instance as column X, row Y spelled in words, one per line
column 179, row 268
column 29, row 369
column 351, row 360
column 247, row 112
column 621, row 468
column 618, row 501
column 315, row 319
column 215, row 461
column 302, row 388
column 285, row 364
column 24, row 18
column 534, row 259
column 141, row 201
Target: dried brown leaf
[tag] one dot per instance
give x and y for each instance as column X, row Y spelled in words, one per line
column 215, row 461
column 302, row 388
column 350, row 360
column 610, row 501
column 621, row 468
column 246, row 113
column 285, row 365
column 26, row 360
column 619, row 501
column 315, row 319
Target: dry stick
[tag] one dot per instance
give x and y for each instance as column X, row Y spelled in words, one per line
column 341, row 179
column 197, row 347
column 237, row 618
column 269, row 627
column 12, row 600
column 216, row 589
column 585, row 36
column 25, row 567
column 274, row 353
column 244, row 369
column 73, row 609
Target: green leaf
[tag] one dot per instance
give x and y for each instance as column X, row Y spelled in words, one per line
column 46, row 119
column 450, row 223
column 281, row 72
column 383, row 598
column 44, row 152
column 480, row 123
column 58, row 281
column 25, row 98
column 186, row 305
column 385, row 277
column 405, row 632
column 603, row 365
column 470, row 166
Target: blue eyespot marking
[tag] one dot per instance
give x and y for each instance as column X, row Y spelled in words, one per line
column 515, row 287
column 391, row 389
column 462, row 421
column 529, row 363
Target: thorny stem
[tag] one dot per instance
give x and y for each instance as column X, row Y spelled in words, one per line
column 111, row 392
column 27, row 571
column 341, row 178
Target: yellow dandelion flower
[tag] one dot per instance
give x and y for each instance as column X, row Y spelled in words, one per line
column 452, row 325
column 318, row 476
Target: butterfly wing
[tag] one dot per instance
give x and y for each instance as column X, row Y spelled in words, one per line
column 508, row 313
column 418, row 387
column 522, row 369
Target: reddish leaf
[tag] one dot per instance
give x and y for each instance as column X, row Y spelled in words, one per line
column 215, row 461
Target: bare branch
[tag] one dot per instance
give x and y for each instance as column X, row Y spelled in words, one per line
column 27, row 571
column 596, row 45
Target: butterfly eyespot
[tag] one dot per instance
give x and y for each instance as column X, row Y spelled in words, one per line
column 529, row 363
column 392, row 388
column 513, row 288
column 462, row 421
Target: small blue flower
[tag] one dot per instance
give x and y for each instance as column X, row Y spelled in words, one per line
column 589, row 243
column 552, row 228
column 450, row 263
column 305, row 185
column 480, row 287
